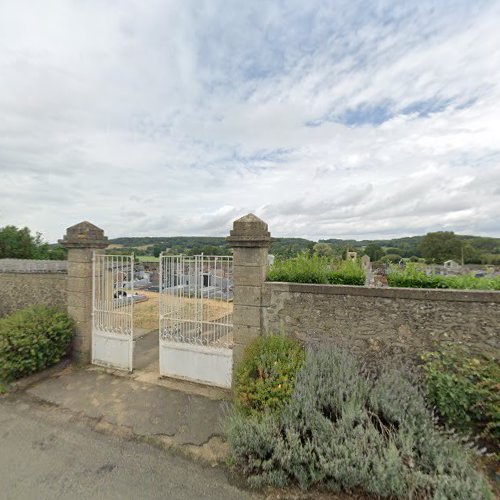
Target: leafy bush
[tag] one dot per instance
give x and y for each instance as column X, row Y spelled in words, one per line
column 32, row 339
column 346, row 431
column 391, row 257
column 412, row 276
column 315, row 269
column 465, row 389
column 266, row 375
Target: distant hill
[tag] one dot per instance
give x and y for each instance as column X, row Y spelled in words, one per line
column 285, row 247
column 484, row 248
column 169, row 241
column 410, row 244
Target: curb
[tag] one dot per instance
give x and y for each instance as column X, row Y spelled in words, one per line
column 24, row 383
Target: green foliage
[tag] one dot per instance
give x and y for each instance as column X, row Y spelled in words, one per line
column 286, row 248
column 21, row 244
column 393, row 250
column 137, row 252
column 208, row 250
column 32, row 339
column 465, row 389
column 209, row 245
column 391, row 257
column 476, row 248
column 345, row 431
column 323, row 250
column 412, row 276
column 441, row 246
column 16, row 243
column 374, row 251
column 265, row 378
column 315, row 269
column 490, row 259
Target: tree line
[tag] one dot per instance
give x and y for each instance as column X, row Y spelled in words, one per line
column 434, row 247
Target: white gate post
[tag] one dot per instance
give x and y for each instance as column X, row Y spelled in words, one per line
column 250, row 240
column 81, row 241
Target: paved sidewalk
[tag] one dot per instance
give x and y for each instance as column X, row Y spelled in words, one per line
column 48, row 453
column 144, row 409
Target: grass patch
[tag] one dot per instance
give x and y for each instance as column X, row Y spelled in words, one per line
column 146, row 258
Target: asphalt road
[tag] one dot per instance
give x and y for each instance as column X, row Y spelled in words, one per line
column 45, row 454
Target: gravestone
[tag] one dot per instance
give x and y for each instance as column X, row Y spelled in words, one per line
column 351, row 255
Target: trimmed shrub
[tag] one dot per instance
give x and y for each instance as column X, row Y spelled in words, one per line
column 465, row 389
column 412, row 276
column 32, row 339
column 266, row 376
column 346, row 431
column 319, row 270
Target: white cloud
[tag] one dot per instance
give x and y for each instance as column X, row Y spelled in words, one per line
column 328, row 119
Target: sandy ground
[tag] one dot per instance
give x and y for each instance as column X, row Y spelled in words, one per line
column 146, row 314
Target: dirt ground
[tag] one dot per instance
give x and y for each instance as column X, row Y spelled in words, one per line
column 146, row 314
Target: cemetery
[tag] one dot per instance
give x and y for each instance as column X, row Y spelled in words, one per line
column 196, row 320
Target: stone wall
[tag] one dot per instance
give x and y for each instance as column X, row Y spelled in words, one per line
column 382, row 323
column 21, row 289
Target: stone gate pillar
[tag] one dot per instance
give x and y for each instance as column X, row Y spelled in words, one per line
column 81, row 241
column 250, row 240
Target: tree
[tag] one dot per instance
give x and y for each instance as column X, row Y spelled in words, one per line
column 323, row 250
column 17, row 243
column 441, row 246
column 393, row 250
column 374, row 251
column 157, row 249
column 394, row 258
column 57, row 253
column 21, row 244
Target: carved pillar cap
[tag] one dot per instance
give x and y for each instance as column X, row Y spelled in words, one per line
column 249, row 231
column 84, row 235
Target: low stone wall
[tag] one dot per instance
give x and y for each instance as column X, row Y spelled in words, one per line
column 383, row 323
column 21, row 289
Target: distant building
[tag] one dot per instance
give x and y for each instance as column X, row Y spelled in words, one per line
column 451, row 265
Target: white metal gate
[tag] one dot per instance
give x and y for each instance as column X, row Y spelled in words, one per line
column 196, row 308
column 112, row 311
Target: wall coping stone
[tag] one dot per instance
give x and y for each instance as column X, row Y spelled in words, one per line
column 445, row 295
column 84, row 235
column 249, row 231
column 33, row 266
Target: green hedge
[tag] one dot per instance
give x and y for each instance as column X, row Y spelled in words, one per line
column 326, row 270
column 32, row 339
column 343, row 430
column 315, row 269
column 412, row 276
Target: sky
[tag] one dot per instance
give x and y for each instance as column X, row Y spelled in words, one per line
column 327, row 119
